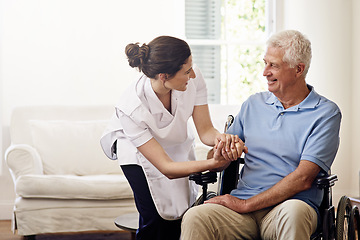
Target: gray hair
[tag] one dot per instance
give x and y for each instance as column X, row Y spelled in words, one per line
column 296, row 47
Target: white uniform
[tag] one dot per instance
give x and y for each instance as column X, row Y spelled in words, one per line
column 141, row 116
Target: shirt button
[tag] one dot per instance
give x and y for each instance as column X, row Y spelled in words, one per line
column 281, row 114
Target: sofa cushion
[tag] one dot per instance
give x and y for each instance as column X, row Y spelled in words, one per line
column 72, row 147
column 98, row 187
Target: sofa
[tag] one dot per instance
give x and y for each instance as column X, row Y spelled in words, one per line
column 63, row 181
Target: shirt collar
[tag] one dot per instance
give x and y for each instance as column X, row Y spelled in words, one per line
column 311, row 101
column 155, row 106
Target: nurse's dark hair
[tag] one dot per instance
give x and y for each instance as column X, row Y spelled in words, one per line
column 164, row 54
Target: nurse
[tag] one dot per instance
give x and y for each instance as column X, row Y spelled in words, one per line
column 150, row 136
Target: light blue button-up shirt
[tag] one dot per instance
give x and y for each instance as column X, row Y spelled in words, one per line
column 279, row 138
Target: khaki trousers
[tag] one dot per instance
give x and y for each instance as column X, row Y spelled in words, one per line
column 290, row 220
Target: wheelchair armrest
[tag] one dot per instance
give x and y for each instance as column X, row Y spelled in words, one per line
column 204, row 178
column 326, row 181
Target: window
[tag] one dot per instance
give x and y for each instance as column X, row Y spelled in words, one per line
column 227, row 38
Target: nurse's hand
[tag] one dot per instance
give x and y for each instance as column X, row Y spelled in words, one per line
column 220, row 163
column 233, row 146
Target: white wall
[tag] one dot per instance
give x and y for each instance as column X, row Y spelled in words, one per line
column 71, row 52
column 355, row 83
column 328, row 24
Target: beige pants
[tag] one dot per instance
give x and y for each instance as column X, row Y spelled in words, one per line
column 290, row 220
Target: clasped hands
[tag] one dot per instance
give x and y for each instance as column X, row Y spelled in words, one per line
column 228, row 146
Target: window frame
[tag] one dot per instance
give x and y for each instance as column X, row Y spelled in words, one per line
column 270, row 28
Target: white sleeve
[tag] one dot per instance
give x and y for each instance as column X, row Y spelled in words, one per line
column 137, row 134
column 201, row 89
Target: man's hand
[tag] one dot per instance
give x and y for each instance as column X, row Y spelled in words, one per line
column 229, row 201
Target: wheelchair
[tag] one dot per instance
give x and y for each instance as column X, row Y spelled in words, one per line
column 345, row 225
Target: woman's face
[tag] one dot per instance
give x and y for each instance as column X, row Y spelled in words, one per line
column 180, row 80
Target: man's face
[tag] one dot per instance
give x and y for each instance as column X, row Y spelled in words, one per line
column 281, row 78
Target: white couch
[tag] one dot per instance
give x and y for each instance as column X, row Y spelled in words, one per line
column 63, row 181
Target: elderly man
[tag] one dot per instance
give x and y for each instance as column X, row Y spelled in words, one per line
column 292, row 136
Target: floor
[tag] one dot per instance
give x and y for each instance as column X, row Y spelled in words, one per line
column 6, row 234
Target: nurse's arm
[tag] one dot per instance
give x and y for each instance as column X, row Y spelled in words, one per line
column 204, row 126
column 153, row 151
column 233, row 146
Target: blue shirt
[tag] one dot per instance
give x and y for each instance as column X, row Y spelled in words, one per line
column 279, row 138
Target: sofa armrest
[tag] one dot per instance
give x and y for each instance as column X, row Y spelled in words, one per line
column 23, row 159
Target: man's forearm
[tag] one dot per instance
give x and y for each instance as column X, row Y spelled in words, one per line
column 299, row 180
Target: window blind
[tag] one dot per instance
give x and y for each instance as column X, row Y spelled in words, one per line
column 203, row 21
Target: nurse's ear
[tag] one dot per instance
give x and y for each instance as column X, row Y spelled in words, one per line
column 163, row 77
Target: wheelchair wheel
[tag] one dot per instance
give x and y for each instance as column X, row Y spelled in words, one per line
column 355, row 226
column 343, row 219
column 200, row 200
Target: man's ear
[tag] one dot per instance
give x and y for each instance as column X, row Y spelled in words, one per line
column 300, row 69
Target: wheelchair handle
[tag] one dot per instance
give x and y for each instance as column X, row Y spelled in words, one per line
column 326, row 182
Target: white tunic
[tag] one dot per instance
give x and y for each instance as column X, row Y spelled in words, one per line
column 141, row 116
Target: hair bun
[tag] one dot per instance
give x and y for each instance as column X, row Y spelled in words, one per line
column 137, row 55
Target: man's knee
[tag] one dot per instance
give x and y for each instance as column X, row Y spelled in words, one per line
column 194, row 223
column 213, row 221
column 196, row 215
column 190, row 215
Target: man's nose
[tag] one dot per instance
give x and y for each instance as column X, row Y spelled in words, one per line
column 266, row 71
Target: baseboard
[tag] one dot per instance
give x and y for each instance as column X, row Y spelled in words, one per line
column 6, row 210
